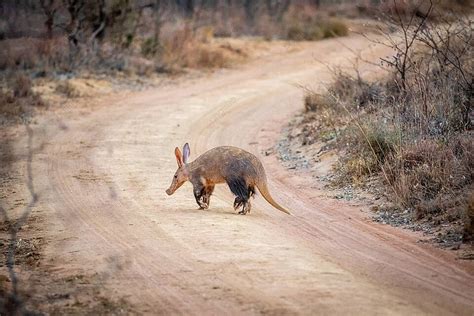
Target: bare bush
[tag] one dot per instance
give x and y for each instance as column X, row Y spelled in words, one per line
column 104, row 35
column 426, row 173
column 22, row 86
column 414, row 130
column 469, row 218
column 18, row 100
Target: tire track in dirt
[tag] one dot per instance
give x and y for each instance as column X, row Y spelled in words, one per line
column 362, row 246
column 106, row 177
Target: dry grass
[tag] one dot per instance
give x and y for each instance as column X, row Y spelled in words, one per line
column 18, row 54
column 68, row 89
column 22, row 86
column 316, row 29
column 18, row 100
column 429, row 172
column 26, row 54
column 412, row 132
column 369, row 146
column 188, row 48
column 469, row 217
column 316, row 102
column 423, row 152
column 167, row 38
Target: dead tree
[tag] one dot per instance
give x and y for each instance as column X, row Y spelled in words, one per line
column 187, row 6
column 49, row 8
column 277, row 8
column 251, row 8
column 410, row 31
column 73, row 28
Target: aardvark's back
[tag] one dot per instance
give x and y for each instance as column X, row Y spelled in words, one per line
column 225, row 163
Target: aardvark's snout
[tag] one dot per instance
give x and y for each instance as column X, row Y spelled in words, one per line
column 169, row 191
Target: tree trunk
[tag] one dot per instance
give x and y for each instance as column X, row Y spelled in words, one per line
column 189, row 7
column 250, row 10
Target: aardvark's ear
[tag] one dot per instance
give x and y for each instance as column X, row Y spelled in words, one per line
column 179, row 157
column 186, row 153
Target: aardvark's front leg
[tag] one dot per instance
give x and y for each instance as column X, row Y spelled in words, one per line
column 207, row 192
column 198, row 195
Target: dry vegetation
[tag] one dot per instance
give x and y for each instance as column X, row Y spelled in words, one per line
column 416, row 127
column 63, row 39
column 412, row 131
column 18, row 100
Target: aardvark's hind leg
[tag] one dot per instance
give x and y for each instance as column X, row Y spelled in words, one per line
column 246, row 208
column 239, row 187
column 243, row 200
column 246, row 205
column 243, row 194
column 238, row 202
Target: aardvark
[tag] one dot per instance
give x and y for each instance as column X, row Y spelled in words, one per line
column 241, row 170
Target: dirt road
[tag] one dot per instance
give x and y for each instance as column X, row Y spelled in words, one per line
column 101, row 179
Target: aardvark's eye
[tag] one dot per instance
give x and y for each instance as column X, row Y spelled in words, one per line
column 175, row 176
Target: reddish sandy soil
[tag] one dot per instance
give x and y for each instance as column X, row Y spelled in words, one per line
column 108, row 227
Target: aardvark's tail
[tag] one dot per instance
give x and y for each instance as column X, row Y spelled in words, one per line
column 262, row 187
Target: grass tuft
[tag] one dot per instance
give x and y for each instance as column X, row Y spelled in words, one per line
column 316, row 29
